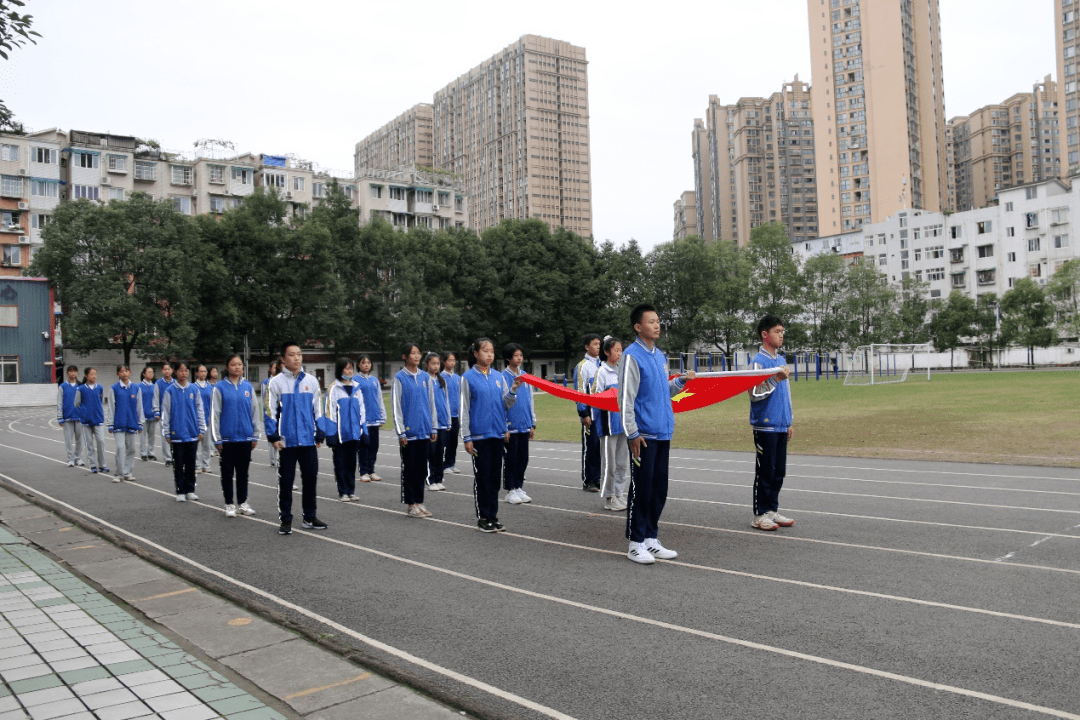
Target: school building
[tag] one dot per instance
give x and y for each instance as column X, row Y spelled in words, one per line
column 27, row 355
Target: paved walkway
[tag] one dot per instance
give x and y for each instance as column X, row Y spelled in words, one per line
column 69, row 651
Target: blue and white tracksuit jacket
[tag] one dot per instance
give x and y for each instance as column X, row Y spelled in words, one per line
column 645, row 393
column 584, row 375
column 65, row 403
column 485, row 398
column 293, row 405
column 183, row 418
column 344, row 409
column 374, row 404
column 235, row 412
column 88, row 404
column 606, row 422
column 161, row 386
column 413, row 402
column 123, row 413
column 148, row 390
column 521, row 417
column 442, row 403
column 453, row 391
column 770, row 401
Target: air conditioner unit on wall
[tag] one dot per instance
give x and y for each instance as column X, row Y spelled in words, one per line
column 24, row 240
column 106, row 181
column 435, row 208
column 24, row 206
column 23, row 171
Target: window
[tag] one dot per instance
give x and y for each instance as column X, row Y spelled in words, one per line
column 116, row 193
column 956, row 255
column 1061, row 241
column 318, row 189
column 959, row 279
column 349, row 190
column 10, row 219
column 1033, row 244
column 376, row 191
column 956, row 231
column 44, row 156
column 241, row 175
column 1031, row 220
column 424, row 196
column 117, row 163
column 917, row 233
column 11, row 254
column 145, row 170
column 935, row 274
column 935, row 253
column 1008, row 207
column 9, row 153
column 869, row 241
column 180, row 174
column 883, row 259
column 397, row 193
column 1035, row 270
column 1031, row 193
column 216, row 174
column 9, row 369
column 918, row 254
column 298, row 184
column 271, row 179
column 444, row 198
column 984, row 227
column 459, row 204
column 1059, row 215
column 38, row 221
column 44, row 188
column 985, row 277
column 11, row 186
column 1011, row 257
column 9, row 316
column 986, row 251
column 89, row 192
column 182, row 204
column 86, row 160
column 1010, row 232
column 217, row 204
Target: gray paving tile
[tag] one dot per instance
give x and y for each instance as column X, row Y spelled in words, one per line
column 61, row 644
column 48, row 695
column 109, row 698
column 131, row 666
column 234, row 705
column 25, row 673
column 176, row 701
column 73, row 677
column 195, row 712
column 123, row 571
column 117, row 657
column 9, row 702
column 14, row 715
column 55, row 656
column 57, row 709
column 397, row 702
column 209, row 629
column 92, row 687
column 60, row 537
column 157, row 689
column 133, row 680
column 19, row 661
column 122, row 712
column 37, row 683
column 83, row 663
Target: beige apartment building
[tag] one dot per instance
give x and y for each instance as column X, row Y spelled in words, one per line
column 760, row 165
column 685, row 216
column 410, row 197
column 1067, row 44
column 879, row 103
column 704, row 200
column 516, row 130
column 30, row 188
column 406, row 140
column 999, row 146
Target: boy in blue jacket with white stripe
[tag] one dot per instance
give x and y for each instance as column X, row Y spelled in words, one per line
column 770, row 418
column 68, row 418
column 124, row 418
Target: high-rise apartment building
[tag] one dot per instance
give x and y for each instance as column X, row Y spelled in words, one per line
column 760, row 165
column 1011, row 143
column 406, row 140
column 685, row 216
column 1067, row 44
column 703, row 195
column 879, row 106
column 516, row 130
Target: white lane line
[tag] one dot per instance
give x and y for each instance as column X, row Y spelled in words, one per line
column 828, row 662
column 400, row 654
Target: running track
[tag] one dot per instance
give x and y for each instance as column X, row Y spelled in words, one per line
column 906, row 589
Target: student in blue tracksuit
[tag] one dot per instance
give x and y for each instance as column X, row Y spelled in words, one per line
column 151, row 417
column 235, row 417
column 294, row 405
column 344, row 413
column 68, row 418
column 521, row 423
column 433, row 365
column 91, row 410
column 645, row 394
column 584, row 375
column 161, row 386
column 415, row 422
column 183, row 423
column 275, row 368
column 124, row 418
column 213, row 377
column 770, row 419
column 453, row 391
column 485, row 398
column 367, row 450
column 206, row 392
column 614, row 456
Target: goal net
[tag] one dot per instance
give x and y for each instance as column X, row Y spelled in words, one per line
column 878, row 364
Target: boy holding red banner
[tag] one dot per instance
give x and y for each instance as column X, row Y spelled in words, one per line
column 770, row 418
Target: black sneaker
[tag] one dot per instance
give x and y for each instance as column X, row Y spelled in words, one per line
column 486, row 525
column 591, row 488
column 314, row 524
column 144, row 458
column 168, row 463
column 498, row 526
column 285, row 528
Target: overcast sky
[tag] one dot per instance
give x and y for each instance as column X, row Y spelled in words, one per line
column 312, row 78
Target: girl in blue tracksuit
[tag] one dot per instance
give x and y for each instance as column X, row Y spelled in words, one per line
column 124, row 418
column 433, row 365
column 485, row 398
column 521, row 423
column 415, row 422
column 375, row 411
column 68, row 417
column 183, row 423
column 770, row 419
column 235, row 417
column 91, row 410
column 614, row 455
column 206, row 393
column 346, row 423
column 161, row 386
column 453, row 391
column 151, row 417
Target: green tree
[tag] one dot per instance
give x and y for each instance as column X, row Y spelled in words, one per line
column 913, row 309
column 683, row 280
column 15, row 31
column 124, row 275
column 986, row 325
column 622, row 277
column 1063, row 289
column 774, row 273
column 868, row 307
column 1025, row 317
column 726, row 321
column 951, row 321
column 824, row 300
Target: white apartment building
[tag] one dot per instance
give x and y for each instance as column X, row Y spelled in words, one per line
column 1027, row 234
column 30, row 188
column 409, row 198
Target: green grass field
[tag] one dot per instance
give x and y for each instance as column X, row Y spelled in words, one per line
column 992, row 417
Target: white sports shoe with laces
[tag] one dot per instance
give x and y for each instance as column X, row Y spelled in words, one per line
column 659, row 551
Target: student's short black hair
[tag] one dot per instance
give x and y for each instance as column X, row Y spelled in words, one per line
column 143, row 373
column 166, row 364
column 69, row 368
column 767, row 323
column 407, row 348
column 639, row 312
column 510, row 348
column 288, row 344
column 120, row 367
column 609, row 342
column 361, row 358
column 340, row 365
column 447, row 354
column 183, row 364
column 588, row 338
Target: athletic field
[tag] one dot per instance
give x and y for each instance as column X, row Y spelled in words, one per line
column 1028, row 418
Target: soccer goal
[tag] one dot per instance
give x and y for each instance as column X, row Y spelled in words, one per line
column 882, row 363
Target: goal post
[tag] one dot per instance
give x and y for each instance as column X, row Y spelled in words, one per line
column 883, row 363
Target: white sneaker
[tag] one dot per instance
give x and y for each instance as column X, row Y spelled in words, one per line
column 780, row 519
column 763, row 522
column 344, row 498
column 180, row 497
column 436, row 487
column 230, row 511
column 71, row 464
column 354, row 498
column 640, row 554
column 117, row 478
column 246, row 509
column 192, row 496
column 659, row 551
column 524, row 498
column 610, row 503
column 415, row 511
column 365, row 478
column 513, row 498
column 424, row 510
column 453, row 469
column 620, row 503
